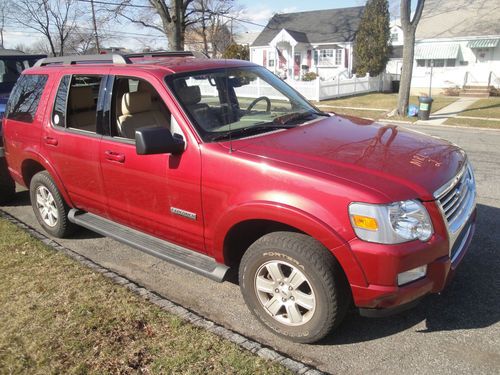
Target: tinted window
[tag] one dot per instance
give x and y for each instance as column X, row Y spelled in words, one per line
column 59, row 114
column 23, row 101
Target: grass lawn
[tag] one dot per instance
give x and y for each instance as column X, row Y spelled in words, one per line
column 387, row 102
column 56, row 316
column 487, row 107
column 473, row 123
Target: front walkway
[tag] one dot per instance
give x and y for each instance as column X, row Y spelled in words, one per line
column 452, row 110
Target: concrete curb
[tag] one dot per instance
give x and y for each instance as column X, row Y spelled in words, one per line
column 171, row 307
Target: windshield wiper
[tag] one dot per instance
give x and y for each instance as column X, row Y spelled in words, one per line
column 251, row 129
column 297, row 116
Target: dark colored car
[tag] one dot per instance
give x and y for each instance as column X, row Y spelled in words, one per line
column 12, row 63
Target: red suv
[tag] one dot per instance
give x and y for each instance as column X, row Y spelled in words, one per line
column 218, row 164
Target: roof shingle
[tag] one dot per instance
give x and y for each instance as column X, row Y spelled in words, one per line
column 316, row 27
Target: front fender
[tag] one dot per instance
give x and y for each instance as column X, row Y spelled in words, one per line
column 294, row 217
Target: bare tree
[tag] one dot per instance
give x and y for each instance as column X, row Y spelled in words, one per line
column 55, row 19
column 409, row 26
column 4, row 6
column 211, row 26
column 171, row 17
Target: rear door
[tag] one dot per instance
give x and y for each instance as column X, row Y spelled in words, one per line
column 71, row 138
column 157, row 194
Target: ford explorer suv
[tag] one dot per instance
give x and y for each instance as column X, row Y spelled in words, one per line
column 219, row 165
column 12, row 63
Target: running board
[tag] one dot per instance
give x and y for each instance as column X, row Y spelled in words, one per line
column 178, row 255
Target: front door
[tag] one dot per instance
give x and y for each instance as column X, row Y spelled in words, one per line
column 157, row 194
column 296, row 65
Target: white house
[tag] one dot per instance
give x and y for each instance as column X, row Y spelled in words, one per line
column 461, row 40
column 320, row 41
column 396, row 59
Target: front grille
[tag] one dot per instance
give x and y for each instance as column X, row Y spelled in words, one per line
column 454, row 201
column 457, row 200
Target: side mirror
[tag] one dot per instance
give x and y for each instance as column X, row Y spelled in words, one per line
column 156, row 140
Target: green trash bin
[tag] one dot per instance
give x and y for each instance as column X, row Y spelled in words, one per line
column 424, row 107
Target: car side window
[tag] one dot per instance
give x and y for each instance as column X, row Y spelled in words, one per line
column 59, row 112
column 24, row 99
column 76, row 102
column 136, row 104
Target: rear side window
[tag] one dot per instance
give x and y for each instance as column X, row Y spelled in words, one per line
column 75, row 104
column 24, row 99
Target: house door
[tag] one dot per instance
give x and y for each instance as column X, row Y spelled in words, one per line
column 296, row 65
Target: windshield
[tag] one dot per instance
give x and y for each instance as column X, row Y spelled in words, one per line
column 239, row 102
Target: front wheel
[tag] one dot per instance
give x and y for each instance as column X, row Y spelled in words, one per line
column 50, row 208
column 294, row 286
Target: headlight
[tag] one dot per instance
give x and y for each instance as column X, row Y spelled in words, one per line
column 390, row 224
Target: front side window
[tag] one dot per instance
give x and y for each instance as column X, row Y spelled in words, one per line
column 24, row 99
column 239, row 102
column 136, row 104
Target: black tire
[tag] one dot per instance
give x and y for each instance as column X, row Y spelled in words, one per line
column 324, row 281
column 62, row 226
column 7, row 184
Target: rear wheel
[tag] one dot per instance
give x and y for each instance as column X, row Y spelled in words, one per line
column 294, row 286
column 50, row 208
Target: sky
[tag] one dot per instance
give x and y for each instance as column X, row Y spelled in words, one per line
column 255, row 11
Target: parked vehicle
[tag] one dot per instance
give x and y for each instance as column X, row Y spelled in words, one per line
column 12, row 63
column 168, row 154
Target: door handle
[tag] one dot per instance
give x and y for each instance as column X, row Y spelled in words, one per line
column 115, row 156
column 50, row 141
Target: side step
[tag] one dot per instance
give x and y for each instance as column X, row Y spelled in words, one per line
column 164, row 250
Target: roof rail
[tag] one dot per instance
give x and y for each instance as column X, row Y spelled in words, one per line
column 113, row 58
column 167, row 54
column 161, row 54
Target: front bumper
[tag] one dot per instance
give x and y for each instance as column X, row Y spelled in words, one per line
column 382, row 300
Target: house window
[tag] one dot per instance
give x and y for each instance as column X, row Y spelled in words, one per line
column 394, row 37
column 272, row 58
column 450, row 62
column 326, row 57
column 438, row 63
column 421, row 63
column 338, row 56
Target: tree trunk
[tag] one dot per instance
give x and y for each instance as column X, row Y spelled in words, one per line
column 407, row 71
column 409, row 27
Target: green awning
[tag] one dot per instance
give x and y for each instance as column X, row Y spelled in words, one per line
column 483, row 43
column 434, row 51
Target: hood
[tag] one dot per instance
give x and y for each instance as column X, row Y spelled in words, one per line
column 396, row 162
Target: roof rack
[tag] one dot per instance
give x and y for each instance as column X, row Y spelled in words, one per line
column 113, row 58
column 161, row 54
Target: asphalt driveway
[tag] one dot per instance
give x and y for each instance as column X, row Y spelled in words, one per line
column 457, row 332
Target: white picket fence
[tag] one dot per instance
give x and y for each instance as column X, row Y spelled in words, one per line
column 312, row 90
column 321, row 90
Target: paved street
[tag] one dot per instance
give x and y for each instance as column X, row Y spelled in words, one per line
column 457, row 332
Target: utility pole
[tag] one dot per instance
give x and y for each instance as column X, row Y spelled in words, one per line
column 95, row 27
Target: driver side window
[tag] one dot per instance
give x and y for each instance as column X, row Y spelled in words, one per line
column 136, row 104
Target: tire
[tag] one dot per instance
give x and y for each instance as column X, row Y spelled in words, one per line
column 301, row 283
column 7, row 184
column 50, row 208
